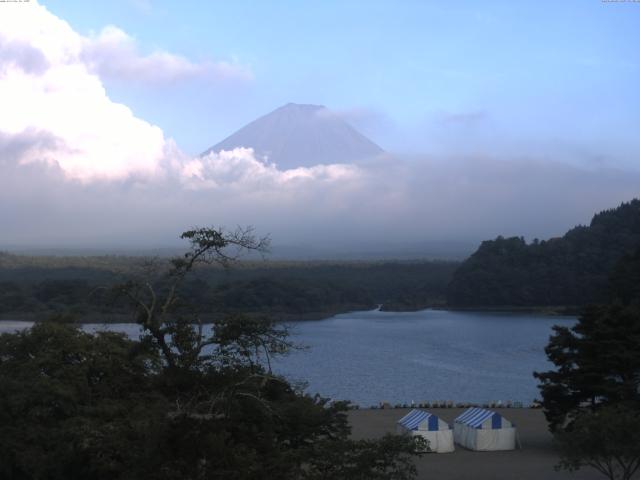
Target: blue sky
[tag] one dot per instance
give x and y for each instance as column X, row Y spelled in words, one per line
column 544, row 78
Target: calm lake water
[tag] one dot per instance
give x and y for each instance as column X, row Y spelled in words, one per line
column 374, row 356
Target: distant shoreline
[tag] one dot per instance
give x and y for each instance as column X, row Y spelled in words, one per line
column 555, row 310
column 97, row 318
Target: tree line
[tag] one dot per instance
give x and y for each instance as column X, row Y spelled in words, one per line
column 284, row 291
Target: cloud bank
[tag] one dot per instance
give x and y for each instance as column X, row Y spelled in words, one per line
column 393, row 201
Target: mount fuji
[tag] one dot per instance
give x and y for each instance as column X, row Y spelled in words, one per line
column 298, row 135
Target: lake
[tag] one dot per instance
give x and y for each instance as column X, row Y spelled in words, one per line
column 374, row 356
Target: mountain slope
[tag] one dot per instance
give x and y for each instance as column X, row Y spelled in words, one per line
column 571, row 270
column 297, row 135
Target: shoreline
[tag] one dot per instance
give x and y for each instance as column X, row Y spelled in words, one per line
column 97, row 318
column 280, row 317
column 551, row 311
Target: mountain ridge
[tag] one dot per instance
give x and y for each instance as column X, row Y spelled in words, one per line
column 572, row 270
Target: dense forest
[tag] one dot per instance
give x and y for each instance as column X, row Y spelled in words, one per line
column 569, row 271
column 36, row 287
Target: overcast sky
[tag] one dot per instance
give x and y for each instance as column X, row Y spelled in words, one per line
column 510, row 117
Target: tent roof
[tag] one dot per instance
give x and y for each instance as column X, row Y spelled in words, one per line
column 414, row 418
column 474, row 417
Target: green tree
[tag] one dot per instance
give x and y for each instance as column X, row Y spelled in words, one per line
column 592, row 399
column 74, row 405
column 246, row 421
column 597, row 363
column 179, row 402
column 607, row 440
column 625, row 280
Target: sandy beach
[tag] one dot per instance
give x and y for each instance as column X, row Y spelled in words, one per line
column 535, row 461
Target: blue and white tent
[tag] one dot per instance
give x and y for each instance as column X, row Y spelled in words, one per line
column 480, row 429
column 428, row 426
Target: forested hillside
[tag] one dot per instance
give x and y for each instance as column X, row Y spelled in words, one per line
column 35, row 287
column 569, row 271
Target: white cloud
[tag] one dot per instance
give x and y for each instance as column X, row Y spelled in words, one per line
column 50, row 82
column 363, row 118
column 21, row 55
column 114, row 54
column 397, row 199
column 45, row 86
column 240, row 168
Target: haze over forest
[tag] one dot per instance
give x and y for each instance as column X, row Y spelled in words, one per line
column 102, row 127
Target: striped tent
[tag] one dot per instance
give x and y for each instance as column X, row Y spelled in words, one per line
column 484, row 430
column 428, row 426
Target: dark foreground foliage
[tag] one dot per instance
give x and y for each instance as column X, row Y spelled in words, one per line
column 607, row 440
column 176, row 404
column 81, row 406
column 592, row 397
column 597, row 363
